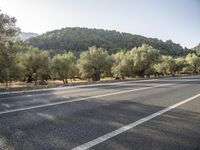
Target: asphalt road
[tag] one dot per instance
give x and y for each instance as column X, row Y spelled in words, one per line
column 158, row 114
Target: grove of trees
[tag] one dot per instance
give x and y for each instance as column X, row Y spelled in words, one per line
column 20, row 61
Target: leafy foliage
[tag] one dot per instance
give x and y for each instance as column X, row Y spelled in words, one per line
column 36, row 64
column 194, row 63
column 8, row 66
column 64, row 66
column 166, row 66
column 181, row 63
column 138, row 61
column 93, row 63
column 122, row 65
column 144, row 58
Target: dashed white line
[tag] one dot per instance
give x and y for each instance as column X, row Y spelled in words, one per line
column 131, row 125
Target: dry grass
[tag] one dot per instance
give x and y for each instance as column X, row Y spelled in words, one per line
column 55, row 83
column 50, row 83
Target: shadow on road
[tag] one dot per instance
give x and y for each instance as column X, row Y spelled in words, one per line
column 67, row 126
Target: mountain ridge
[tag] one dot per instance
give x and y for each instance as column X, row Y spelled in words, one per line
column 26, row 35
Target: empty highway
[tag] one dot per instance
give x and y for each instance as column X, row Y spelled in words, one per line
column 157, row 114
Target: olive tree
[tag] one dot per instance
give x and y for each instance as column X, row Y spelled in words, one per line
column 93, row 63
column 181, row 63
column 64, row 66
column 144, row 58
column 194, row 63
column 8, row 67
column 120, row 66
column 36, row 64
column 166, row 66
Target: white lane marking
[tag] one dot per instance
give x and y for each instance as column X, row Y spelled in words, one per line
column 126, row 83
column 29, row 95
column 83, row 90
column 79, row 99
column 95, row 84
column 92, row 85
column 131, row 125
column 72, row 87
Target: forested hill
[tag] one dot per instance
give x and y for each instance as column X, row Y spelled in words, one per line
column 79, row 39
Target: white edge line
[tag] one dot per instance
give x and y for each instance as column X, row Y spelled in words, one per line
column 46, row 94
column 126, row 83
column 79, row 99
column 74, row 86
column 90, row 85
column 131, row 125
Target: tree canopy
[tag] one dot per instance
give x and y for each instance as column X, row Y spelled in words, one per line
column 36, row 64
column 64, row 66
column 94, row 62
column 8, row 31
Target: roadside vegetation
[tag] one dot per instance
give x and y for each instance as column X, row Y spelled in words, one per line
column 22, row 61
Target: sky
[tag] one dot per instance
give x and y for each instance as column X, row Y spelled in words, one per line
column 176, row 20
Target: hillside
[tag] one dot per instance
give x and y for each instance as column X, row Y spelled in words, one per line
column 26, row 35
column 79, row 39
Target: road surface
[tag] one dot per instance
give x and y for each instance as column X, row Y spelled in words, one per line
column 157, row 114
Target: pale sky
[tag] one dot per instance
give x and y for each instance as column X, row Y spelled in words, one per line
column 178, row 20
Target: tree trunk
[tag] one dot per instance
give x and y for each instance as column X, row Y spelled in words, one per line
column 66, row 81
column 36, row 80
column 195, row 69
column 30, row 79
column 96, row 75
column 6, row 84
column 141, row 74
column 63, row 81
